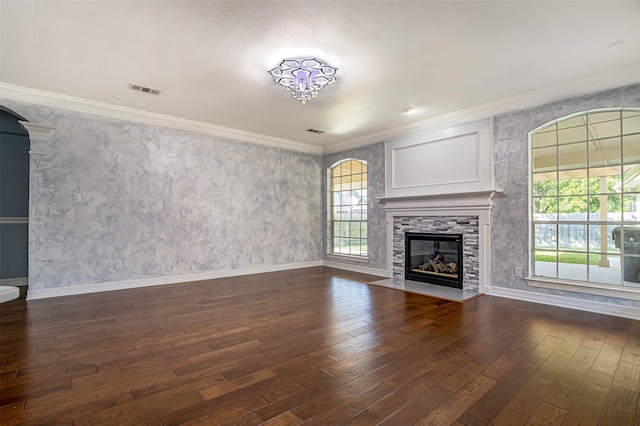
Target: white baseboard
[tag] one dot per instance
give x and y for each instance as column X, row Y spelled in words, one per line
column 567, row 302
column 356, row 268
column 172, row 279
column 547, row 299
column 15, row 282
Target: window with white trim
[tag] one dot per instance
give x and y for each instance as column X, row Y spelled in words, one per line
column 585, row 198
column 348, row 208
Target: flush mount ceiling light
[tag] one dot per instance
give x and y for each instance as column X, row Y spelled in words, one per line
column 303, row 77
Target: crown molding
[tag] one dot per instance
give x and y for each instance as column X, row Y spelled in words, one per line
column 579, row 87
column 592, row 84
column 40, row 97
column 38, row 132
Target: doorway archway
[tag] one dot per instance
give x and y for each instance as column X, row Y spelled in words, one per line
column 14, row 199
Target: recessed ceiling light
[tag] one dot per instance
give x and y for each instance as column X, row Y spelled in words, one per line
column 410, row 110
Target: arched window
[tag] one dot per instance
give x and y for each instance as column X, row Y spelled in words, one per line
column 585, row 198
column 348, row 208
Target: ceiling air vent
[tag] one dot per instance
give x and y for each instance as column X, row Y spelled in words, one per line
column 144, row 89
column 315, row 131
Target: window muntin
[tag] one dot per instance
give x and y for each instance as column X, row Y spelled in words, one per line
column 585, row 184
column 348, row 208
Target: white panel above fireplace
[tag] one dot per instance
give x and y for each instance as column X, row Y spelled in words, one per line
column 448, row 161
column 429, row 163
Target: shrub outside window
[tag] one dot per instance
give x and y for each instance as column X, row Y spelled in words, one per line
column 585, row 198
column 348, row 208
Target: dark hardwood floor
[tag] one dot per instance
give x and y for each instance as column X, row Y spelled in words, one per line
column 313, row 346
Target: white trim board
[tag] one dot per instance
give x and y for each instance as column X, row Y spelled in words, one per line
column 14, row 220
column 566, row 302
column 454, row 160
column 561, row 301
column 527, row 296
column 355, row 268
column 44, row 293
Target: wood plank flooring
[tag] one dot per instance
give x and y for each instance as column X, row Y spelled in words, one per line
column 314, row 346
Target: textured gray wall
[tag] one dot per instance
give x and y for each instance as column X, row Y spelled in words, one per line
column 376, row 229
column 169, row 202
column 165, row 202
column 510, row 215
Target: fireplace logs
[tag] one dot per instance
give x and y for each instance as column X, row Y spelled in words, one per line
column 438, row 266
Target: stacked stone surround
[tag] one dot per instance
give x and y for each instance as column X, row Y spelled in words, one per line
column 468, row 226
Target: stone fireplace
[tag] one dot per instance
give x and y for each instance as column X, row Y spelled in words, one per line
column 466, row 215
column 465, row 226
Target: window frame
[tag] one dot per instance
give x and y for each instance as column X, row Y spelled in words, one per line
column 557, row 282
column 359, row 255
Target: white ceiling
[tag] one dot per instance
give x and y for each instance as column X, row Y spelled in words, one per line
column 210, row 59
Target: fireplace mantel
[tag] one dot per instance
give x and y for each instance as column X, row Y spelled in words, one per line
column 467, row 201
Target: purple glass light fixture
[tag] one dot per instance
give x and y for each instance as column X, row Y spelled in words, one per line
column 303, row 77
